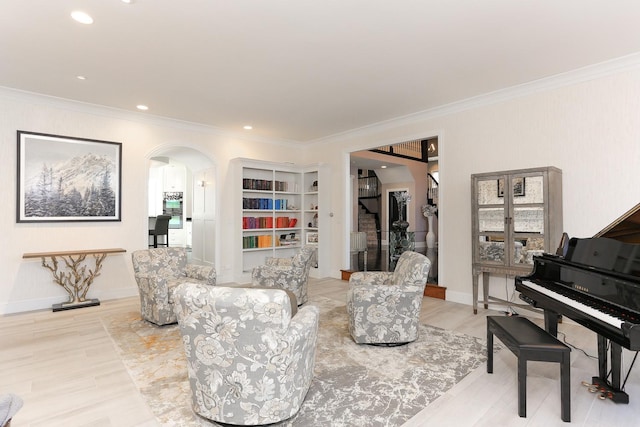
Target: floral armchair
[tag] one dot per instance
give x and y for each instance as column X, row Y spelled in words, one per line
column 249, row 361
column 287, row 273
column 384, row 307
column 158, row 272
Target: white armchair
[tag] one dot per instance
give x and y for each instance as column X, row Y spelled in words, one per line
column 158, row 272
column 384, row 307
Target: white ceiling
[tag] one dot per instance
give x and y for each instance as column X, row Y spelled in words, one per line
column 301, row 70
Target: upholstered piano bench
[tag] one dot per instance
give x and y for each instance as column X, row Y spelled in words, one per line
column 529, row 342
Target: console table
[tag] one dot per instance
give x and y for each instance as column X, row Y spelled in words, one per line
column 76, row 278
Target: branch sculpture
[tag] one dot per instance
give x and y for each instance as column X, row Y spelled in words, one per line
column 76, row 280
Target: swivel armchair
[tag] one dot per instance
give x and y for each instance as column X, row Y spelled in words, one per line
column 287, row 273
column 249, row 361
column 157, row 273
column 384, row 307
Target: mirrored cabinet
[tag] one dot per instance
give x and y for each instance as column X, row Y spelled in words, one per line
column 515, row 215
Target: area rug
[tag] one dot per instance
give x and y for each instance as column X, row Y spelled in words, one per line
column 354, row 385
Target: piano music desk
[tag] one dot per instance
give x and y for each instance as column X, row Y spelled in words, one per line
column 529, row 342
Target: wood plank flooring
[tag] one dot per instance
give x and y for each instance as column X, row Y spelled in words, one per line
column 65, row 367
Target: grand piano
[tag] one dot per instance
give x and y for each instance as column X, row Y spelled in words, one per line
column 595, row 282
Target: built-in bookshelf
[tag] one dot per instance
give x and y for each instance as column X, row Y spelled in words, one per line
column 280, row 210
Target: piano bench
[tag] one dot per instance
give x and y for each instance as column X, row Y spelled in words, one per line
column 530, row 342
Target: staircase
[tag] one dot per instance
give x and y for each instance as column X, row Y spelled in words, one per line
column 367, row 223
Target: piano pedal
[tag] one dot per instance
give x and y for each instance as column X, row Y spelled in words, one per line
column 605, row 391
column 593, row 388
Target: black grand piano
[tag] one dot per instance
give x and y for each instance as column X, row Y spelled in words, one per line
column 595, row 282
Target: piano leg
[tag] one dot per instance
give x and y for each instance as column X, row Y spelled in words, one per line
column 551, row 322
column 610, row 390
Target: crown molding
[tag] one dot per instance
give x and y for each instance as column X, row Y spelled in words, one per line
column 591, row 72
column 101, row 110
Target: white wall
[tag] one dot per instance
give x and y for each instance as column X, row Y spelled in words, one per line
column 28, row 286
column 589, row 128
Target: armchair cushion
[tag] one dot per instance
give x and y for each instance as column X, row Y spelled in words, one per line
column 287, row 273
column 249, row 362
column 158, row 272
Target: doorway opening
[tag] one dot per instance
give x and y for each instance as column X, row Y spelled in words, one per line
column 182, row 184
column 411, row 167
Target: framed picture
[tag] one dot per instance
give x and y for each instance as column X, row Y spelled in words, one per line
column 518, row 187
column 312, row 239
column 62, row 178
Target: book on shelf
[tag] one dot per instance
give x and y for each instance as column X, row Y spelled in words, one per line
column 257, row 203
column 250, row 222
column 257, row 184
column 281, row 204
column 284, row 222
column 290, row 239
column 260, row 241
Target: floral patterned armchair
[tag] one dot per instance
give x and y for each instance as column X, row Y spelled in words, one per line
column 287, row 273
column 249, row 361
column 384, row 307
column 158, row 272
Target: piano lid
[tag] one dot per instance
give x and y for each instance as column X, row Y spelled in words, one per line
column 616, row 248
column 624, row 229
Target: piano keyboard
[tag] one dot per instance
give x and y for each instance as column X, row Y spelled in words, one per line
column 591, row 311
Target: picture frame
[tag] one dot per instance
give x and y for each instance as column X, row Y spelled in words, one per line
column 67, row 179
column 518, row 187
column 311, row 238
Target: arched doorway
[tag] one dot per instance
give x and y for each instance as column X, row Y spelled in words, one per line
column 186, row 174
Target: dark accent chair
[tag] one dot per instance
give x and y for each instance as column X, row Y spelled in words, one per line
column 160, row 228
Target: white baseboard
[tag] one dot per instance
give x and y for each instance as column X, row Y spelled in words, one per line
column 15, row 307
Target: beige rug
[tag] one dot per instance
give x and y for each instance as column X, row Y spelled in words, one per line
column 354, row 385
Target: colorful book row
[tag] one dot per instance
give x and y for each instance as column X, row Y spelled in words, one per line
column 250, row 222
column 263, row 203
column 262, row 241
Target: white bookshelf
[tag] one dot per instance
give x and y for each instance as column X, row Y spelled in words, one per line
column 280, row 211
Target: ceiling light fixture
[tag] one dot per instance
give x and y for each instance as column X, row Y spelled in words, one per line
column 81, row 78
column 81, row 17
column 142, row 107
column 383, row 167
column 247, row 127
column 127, row 1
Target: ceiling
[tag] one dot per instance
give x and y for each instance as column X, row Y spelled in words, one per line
column 301, row 70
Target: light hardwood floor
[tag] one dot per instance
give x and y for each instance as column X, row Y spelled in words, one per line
column 65, row 367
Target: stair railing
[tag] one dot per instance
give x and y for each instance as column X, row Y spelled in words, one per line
column 432, row 190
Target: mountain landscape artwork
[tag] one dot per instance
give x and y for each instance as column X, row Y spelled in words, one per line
column 67, row 179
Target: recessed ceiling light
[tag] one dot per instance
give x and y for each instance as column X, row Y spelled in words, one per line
column 127, row 1
column 383, row 167
column 81, row 78
column 82, row 17
column 142, row 107
column 247, row 127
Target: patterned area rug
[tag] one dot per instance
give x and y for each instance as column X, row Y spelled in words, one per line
column 354, row 385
